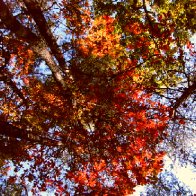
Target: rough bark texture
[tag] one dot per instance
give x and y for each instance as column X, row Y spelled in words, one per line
column 37, row 14
column 36, row 43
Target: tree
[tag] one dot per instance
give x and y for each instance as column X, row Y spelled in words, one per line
column 91, row 122
column 168, row 184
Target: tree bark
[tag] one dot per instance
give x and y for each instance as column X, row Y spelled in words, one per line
column 35, row 11
column 36, row 43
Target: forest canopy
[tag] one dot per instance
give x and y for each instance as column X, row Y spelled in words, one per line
column 94, row 94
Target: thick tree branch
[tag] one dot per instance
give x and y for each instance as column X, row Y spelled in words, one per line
column 37, row 44
column 9, row 130
column 35, row 11
column 9, row 82
column 14, row 25
column 187, row 92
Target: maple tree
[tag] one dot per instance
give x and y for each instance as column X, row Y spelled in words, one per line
column 90, row 123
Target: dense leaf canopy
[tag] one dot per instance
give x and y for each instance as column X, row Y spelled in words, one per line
column 90, row 90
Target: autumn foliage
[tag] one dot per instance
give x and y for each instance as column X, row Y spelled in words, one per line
column 91, row 122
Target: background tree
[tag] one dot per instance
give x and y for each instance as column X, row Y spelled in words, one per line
column 116, row 77
column 167, row 184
